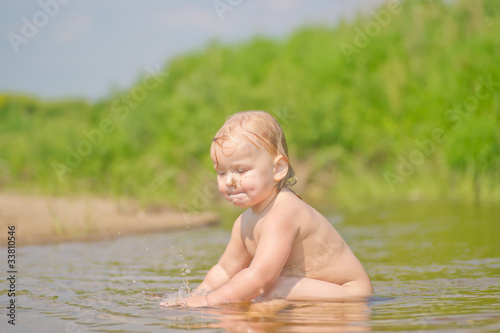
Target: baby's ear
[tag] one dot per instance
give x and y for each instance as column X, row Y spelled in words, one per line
column 280, row 168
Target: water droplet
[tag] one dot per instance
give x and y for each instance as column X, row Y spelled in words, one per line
column 134, row 281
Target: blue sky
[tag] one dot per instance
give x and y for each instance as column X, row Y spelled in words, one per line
column 55, row 49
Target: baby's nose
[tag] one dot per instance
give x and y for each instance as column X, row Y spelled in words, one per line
column 231, row 181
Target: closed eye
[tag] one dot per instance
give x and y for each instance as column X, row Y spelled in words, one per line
column 241, row 171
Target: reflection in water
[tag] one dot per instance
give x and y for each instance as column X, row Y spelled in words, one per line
column 434, row 267
column 280, row 315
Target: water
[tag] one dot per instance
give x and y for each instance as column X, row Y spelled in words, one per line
column 435, row 267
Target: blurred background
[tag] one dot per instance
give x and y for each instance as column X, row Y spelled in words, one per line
column 108, row 109
column 380, row 101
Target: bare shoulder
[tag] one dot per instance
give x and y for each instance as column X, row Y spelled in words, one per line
column 288, row 210
column 290, row 200
column 291, row 206
column 238, row 228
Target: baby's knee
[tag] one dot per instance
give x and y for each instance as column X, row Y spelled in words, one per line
column 281, row 288
column 360, row 288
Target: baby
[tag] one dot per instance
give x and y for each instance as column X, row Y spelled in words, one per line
column 280, row 247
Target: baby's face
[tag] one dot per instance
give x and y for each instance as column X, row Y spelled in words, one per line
column 245, row 175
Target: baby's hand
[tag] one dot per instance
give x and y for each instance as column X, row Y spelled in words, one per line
column 172, row 302
column 191, row 302
column 168, row 303
column 174, row 299
column 196, row 301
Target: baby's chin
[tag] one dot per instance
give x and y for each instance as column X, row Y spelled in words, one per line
column 240, row 205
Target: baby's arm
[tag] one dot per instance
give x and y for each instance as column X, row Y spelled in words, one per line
column 234, row 259
column 276, row 240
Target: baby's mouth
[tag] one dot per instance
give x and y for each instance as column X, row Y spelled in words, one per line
column 233, row 194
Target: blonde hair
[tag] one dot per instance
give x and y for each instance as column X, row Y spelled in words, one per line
column 263, row 131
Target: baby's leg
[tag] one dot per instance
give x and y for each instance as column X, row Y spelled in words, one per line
column 297, row 288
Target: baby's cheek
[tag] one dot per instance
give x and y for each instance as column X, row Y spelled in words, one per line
column 221, row 187
column 248, row 185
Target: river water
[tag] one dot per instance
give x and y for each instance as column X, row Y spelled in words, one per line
column 435, row 267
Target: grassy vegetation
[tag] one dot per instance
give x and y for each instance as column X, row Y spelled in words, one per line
column 408, row 110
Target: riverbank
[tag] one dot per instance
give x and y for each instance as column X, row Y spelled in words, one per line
column 44, row 220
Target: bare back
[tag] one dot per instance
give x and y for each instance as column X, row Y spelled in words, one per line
column 318, row 251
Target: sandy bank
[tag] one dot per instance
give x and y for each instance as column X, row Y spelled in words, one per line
column 43, row 220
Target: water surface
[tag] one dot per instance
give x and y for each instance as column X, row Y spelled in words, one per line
column 435, row 267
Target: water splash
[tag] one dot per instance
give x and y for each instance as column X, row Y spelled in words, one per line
column 178, row 297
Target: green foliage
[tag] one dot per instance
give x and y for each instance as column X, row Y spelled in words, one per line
column 352, row 117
